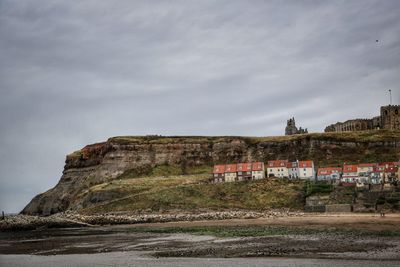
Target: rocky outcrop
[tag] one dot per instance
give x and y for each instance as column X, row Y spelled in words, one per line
column 25, row 222
column 106, row 161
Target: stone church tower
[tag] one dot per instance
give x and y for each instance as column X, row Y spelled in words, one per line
column 390, row 117
column 292, row 129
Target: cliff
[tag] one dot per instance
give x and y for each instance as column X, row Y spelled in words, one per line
column 139, row 156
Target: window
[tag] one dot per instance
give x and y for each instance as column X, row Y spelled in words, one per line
column 240, row 173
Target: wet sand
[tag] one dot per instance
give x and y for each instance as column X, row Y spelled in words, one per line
column 134, row 259
column 367, row 221
column 318, row 237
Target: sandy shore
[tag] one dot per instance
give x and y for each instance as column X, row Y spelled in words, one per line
column 135, row 259
column 367, row 221
column 339, row 236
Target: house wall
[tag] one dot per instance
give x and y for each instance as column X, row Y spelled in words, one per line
column 230, row 176
column 327, row 177
column 364, row 169
column 306, row 173
column 349, row 174
column 258, row 175
column 278, row 172
column 349, row 177
column 243, row 176
column 219, row 177
column 293, row 173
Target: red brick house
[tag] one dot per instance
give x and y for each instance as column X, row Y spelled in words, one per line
column 244, row 171
column 219, row 173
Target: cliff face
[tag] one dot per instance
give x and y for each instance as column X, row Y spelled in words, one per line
column 106, row 161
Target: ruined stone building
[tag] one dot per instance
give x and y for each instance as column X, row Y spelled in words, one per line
column 389, row 119
column 292, row 129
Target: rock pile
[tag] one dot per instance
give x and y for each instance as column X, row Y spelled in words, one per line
column 104, row 219
column 25, row 222
column 72, row 219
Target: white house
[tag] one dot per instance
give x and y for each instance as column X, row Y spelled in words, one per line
column 231, row 173
column 278, row 168
column 219, row 173
column 350, row 173
column 293, row 170
column 365, row 169
column 306, row 169
column 258, row 170
column 329, row 174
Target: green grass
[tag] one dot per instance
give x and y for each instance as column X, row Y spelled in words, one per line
column 319, row 188
column 258, row 231
column 192, row 193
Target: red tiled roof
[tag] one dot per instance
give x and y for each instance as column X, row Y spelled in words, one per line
column 367, row 164
column 244, row 167
column 378, row 168
column 292, row 164
column 218, row 169
column 391, row 169
column 277, row 163
column 390, row 164
column 231, row 168
column 329, row 170
column 258, row 166
column 349, row 168
column 305, row 164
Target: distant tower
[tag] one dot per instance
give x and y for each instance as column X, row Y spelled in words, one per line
column 291, row 127
column 390, row 117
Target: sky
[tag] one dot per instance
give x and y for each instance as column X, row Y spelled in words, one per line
column 78, row 72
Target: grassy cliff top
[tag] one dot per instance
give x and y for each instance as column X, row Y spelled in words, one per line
column 361, row 136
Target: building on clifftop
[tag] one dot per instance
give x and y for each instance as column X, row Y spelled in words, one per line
column 389, row 119
column 292, row 129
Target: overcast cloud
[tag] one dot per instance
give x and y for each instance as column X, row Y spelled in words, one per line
column 78, row 72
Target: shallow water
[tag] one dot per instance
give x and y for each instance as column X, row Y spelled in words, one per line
column 136, row 259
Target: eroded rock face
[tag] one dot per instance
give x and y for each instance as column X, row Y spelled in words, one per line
column 105, row 161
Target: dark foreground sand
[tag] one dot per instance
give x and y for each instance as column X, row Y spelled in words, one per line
column 373, row 240
column 136, row 260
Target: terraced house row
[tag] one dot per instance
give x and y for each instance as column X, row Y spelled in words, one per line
column 257, row 170
column 363, row 173
column 238, row 172
column 299, row 169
